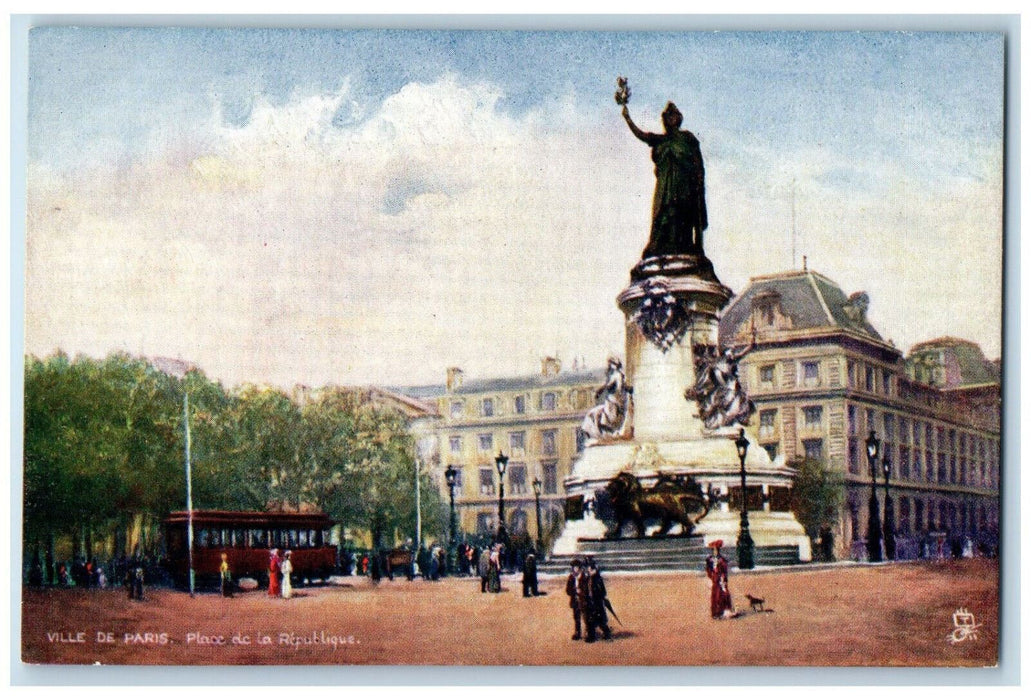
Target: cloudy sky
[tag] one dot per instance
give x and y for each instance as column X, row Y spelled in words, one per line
column 296, row 206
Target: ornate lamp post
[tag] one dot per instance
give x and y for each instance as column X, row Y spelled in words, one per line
column 873, row 526
column 745, row 545
column 451, row 475
column 501, row 462
column 889, row 515
column 537, row 497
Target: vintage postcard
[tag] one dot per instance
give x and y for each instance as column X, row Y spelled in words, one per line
column 565, row 348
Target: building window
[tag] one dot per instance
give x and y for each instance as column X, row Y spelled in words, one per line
column 917, row 471
column 886, row 383
column 771, row 449
column 456, row 408
column 517, row 478
column 458, row 478
column 550, row 470
column 918, row 515
column 766, row 376
column 943, row 472
column 812, row 416
column 487, row 442
column 853, row 455
column 813, row 449
column 488, row 408
column 520, row 404
column 811, row 373
column 853, row 420
column 928, row 466
column 484, row 523
column 889, row 427
column 871, row 421
column 869, row 379
column 517, row 441
column 548, row 442
column 903, row 527
column 767, row 422
column 851, row 374
column 548, row 401
column 904, row 461
column 455, row 443
column 486, row 481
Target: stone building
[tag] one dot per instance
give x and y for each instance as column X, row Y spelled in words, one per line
column 533, row 420
column 822, row 378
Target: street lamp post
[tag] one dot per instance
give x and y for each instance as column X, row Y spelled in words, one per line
column 873, row 526
column 451, row 475
column 537, row 497
column 501, row 461
column 745, row 545
column 889, row 514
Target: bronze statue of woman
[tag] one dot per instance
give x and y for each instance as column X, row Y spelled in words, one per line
column 678, row 210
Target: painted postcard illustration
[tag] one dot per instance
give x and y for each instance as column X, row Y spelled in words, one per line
column 512, row 347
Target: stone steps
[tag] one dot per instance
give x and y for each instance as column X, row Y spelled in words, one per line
column 660, row 554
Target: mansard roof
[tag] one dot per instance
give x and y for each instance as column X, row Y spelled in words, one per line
column 807, row 299
column 963, row 362
column 532, row 381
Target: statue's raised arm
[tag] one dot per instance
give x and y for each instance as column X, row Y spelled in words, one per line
column 679, row 215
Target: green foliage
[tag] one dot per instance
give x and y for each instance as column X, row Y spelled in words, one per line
column 817, row 495
column 105, row 441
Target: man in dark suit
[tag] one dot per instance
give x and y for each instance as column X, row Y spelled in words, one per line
column 576, row 589
column 530, row 575
column 596, row 595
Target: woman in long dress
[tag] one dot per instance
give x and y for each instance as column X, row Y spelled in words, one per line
column 494, row 570
column 273, row 574
column 287, row 568
column 716, row 567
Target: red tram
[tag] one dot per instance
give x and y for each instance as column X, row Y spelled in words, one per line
column 247, row 537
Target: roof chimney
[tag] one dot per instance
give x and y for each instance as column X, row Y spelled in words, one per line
column 454, row 378
column 550, row 366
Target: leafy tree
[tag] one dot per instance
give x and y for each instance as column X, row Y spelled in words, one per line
column 817, row 495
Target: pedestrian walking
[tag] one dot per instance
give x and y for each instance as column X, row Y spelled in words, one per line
column 530, row 576
column 717, row 569
column 274, row 564
column 597, row 617
column 286, row 568
column 483, row 569
column 494, row 570
column 575, row 588
column 225, row 577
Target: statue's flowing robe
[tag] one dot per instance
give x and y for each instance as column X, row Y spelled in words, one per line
column 678, row 209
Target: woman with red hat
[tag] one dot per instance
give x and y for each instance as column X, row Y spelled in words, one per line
column 716, row 568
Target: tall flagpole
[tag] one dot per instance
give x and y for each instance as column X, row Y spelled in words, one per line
column 189, row 486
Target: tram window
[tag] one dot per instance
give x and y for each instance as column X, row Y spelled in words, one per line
column 259, row 538
column 239, row 538
column 227, row 538
column 325, row 538
column 302, row 539
column 204, row 537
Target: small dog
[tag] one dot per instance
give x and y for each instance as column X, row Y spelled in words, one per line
column 756, row 603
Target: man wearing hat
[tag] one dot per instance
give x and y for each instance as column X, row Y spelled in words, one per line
column 716, row 568
column 596, row 595
column 576, row 589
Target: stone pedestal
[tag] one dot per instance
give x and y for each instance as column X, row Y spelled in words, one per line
column 671, row 305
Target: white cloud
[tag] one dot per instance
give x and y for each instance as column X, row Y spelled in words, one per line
column 441, row 231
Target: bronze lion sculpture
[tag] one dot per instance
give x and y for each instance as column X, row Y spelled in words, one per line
column 671, row 500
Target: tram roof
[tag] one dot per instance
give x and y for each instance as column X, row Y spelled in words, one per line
column 250, row 518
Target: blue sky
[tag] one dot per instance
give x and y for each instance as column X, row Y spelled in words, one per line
column 341, row 193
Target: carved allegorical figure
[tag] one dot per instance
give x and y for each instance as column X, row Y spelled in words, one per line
column 679, row 215
column 721, row 398
column 610, row 416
